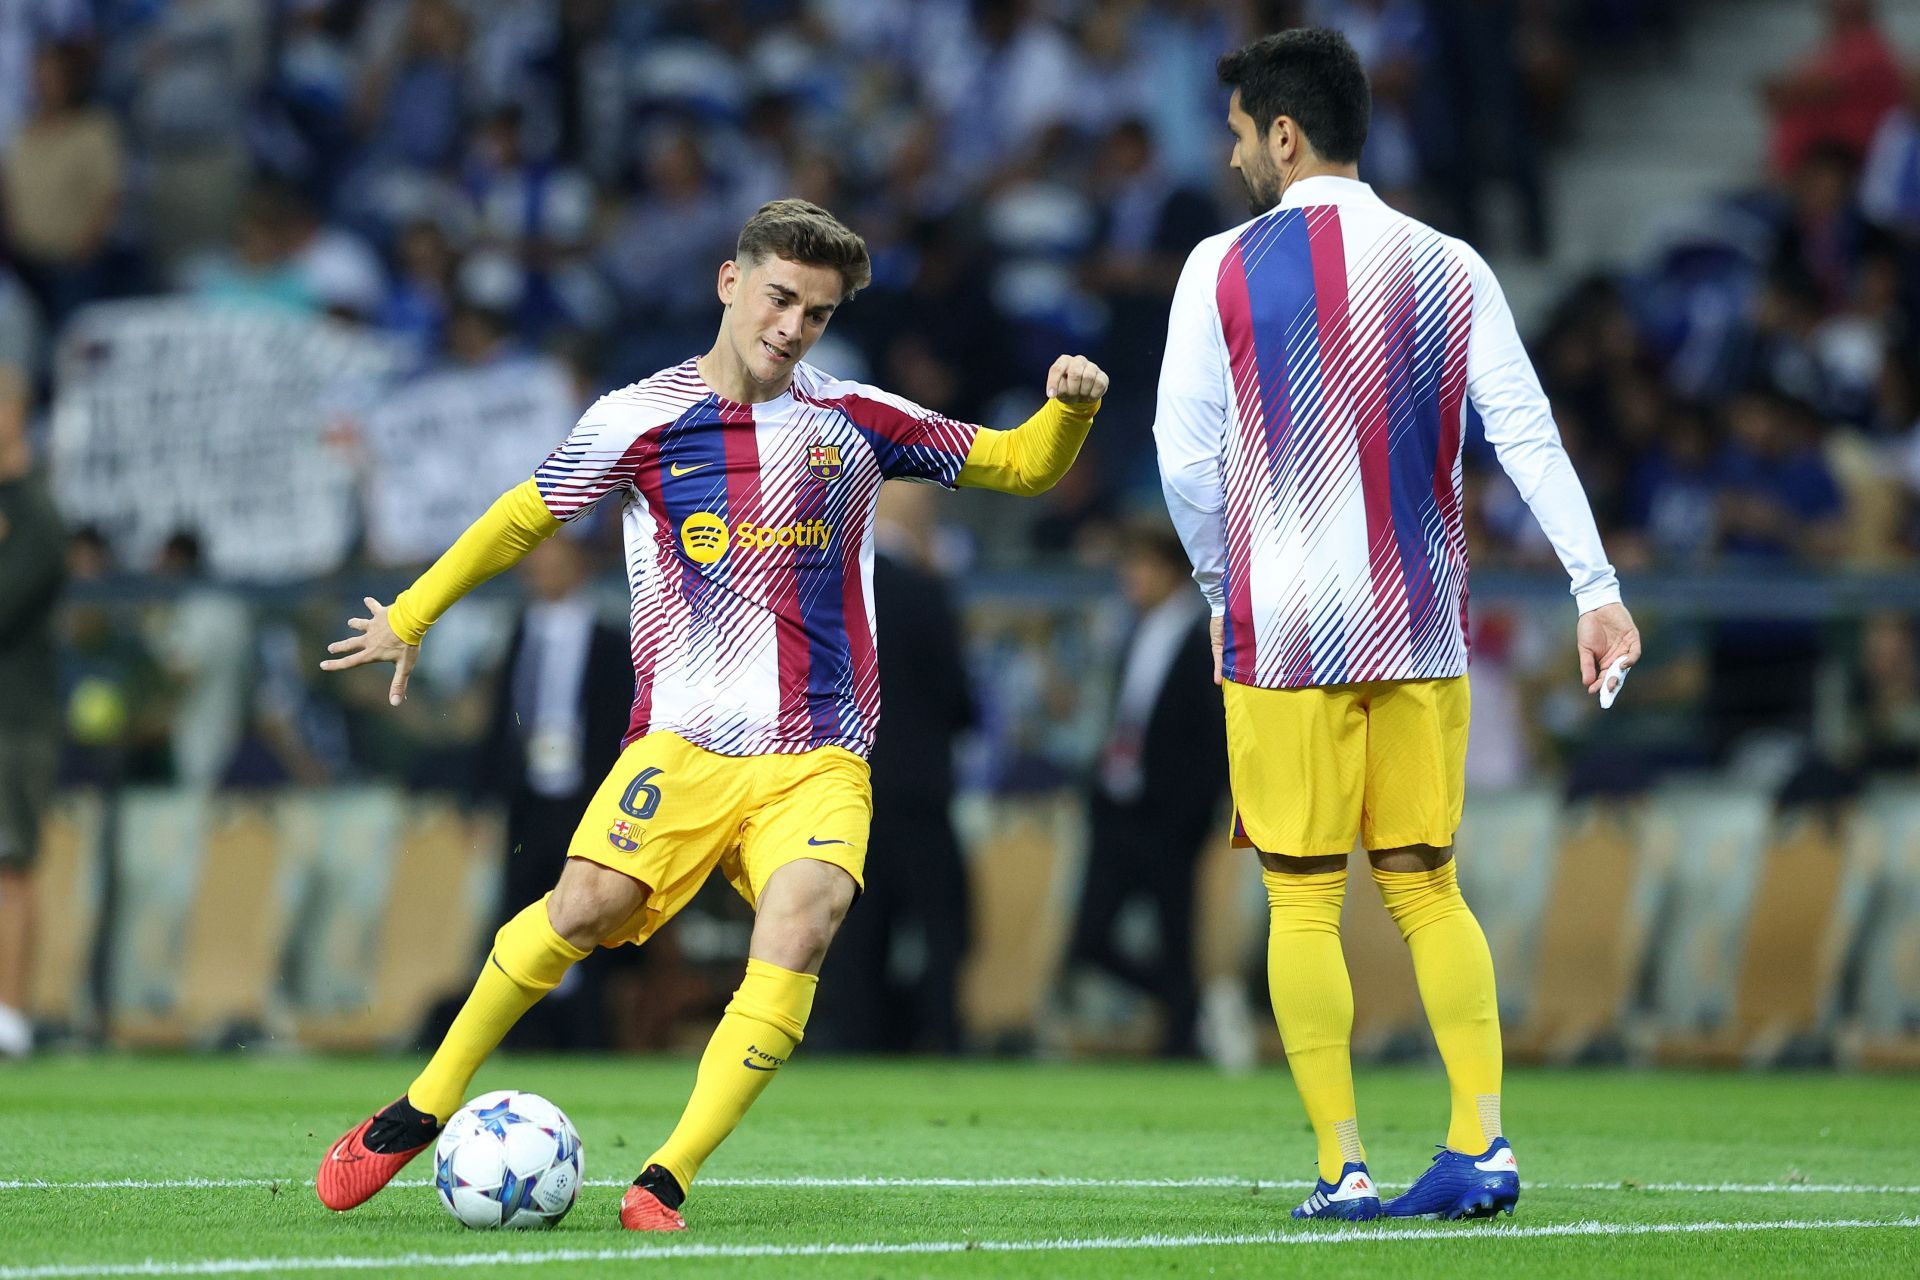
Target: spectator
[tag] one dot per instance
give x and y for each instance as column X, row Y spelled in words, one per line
column 539, row 213
column 337, row 269
column 1148, row 225
column 530, row 204
column 1494, row 126
column 1181, row 40
column 26, row 26
column 1886, row 694
column 1890, row 186
column 32, row 547
column 1116, row 70
column 311, row 95
column 1778, row 503
column 112, row 690
column 892, row 981
column 412, row 96
column 203, row 639
column 1393, row 40
column 1825, row 236
column 1778, row 500
column 1000, row 85
column 191, row 71
column 421, row 295
column 63, row 179
column 1835, row 94
column 1158, row 785
column 260, row 269
column 1672, row 507
column 559, row 712
column 1785, row 354
column 677, row 219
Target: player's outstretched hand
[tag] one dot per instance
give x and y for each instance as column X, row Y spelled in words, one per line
column 1076, row 380
column 375, row 643
column 1604, row 636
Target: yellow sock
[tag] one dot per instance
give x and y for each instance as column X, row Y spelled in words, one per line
column 527, row 961
column 1313, row 1003
column 762, row 1026
column 1455, row 972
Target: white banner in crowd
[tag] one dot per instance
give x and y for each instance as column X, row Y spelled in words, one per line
column 171, row 416
column 442, row 447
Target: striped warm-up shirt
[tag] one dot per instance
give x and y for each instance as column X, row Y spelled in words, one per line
column 749, row 543
column 1319, row 362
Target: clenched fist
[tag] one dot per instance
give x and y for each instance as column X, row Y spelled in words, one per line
column 1076, row 380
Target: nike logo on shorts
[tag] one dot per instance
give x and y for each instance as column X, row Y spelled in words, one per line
column 816, row 842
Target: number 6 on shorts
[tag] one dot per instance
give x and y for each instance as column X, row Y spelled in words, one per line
column 642, row 797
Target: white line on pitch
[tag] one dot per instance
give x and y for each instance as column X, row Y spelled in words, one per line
column 1037, row 1182
column 691, row 1252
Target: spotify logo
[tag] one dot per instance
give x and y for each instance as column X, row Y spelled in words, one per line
column 704, row 535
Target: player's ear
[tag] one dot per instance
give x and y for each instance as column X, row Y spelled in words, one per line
column 1280, row 140
column 729, row 281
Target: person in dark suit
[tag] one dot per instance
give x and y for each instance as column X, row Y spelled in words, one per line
column 878, row 992
column 560, row 712
column 1157, row 788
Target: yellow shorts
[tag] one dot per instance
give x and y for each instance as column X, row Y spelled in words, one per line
column 670, row 812
column 1314, row 768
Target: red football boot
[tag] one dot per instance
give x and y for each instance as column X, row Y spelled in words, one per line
column 370, row 1153
column 653, row 1202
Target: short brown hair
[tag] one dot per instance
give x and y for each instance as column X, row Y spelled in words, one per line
column 801, row 231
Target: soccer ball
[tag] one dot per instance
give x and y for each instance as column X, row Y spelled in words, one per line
column 508, row 1159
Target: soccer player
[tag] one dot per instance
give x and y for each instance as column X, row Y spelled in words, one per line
column 1318, row 366
column 748, row 481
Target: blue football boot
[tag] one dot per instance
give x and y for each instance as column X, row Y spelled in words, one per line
column 1353, row 1199
column 1460, row 1186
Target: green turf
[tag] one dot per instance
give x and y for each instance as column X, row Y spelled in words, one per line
column 68, row 1120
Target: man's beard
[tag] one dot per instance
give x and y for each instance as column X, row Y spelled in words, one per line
column 1263, row 191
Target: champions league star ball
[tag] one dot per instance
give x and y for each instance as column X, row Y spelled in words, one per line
column 508, row 1159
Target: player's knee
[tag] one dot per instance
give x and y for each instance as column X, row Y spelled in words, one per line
column 1412, row 857
column 592, row 901
column 796, row 926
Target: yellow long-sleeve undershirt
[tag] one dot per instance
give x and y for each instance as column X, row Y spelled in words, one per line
column 1028, row 460
column 1031, row 458
column 515, row 524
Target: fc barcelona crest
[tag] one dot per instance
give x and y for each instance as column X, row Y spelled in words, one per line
column 624, row 835
column 823, row 460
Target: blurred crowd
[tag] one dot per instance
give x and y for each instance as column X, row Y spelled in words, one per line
column 1029, row 174
column 480, row 178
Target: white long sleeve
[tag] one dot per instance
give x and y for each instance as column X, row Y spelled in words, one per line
column 1519, row 424
column 1190, row 424
column 1320, row 360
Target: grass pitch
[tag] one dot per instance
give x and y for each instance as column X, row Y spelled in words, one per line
column 159, row 1167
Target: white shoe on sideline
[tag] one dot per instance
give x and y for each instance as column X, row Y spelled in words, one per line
column 1226, row 1031
column 16, row 1033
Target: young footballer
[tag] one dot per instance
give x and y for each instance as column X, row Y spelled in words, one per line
column 747, row 480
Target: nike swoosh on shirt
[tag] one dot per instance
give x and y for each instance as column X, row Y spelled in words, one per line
column 816, row 843
column 675, row 469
